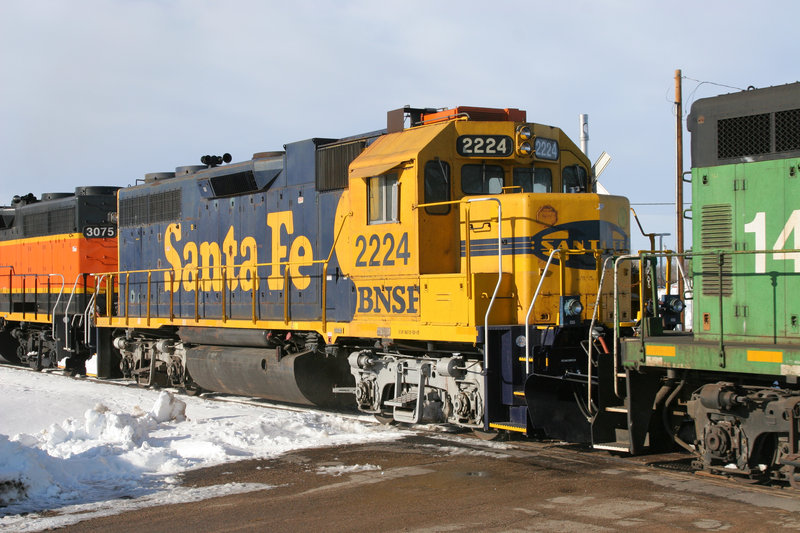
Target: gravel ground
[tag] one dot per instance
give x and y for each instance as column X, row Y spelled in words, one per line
column 450, row 483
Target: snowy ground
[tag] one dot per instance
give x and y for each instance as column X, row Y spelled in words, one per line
column 85, row 449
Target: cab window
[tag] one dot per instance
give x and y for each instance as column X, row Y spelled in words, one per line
column 573, row 179
column 482, row 179
column 437, row 186
column 382, row 194
column 533, row 179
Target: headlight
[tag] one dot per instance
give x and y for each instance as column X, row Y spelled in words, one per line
column 524, row 133
column 573, row 307
column 676, row 306
column 525, row 148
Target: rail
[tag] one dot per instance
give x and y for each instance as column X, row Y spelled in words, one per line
column 55, row 305
column 617, row 262
column 66, row 310
column 530, row 309
column 595, row 311
column 468, row 201
column 561, row 285
column 37, row 293
column 720, row 256
column 90, row 311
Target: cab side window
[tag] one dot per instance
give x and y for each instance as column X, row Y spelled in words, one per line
column 437, row 186
column 573, row 179
column 382, row 192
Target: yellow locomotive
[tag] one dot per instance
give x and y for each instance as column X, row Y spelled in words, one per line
column 429, row 269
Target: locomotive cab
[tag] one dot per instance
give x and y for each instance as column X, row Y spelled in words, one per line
column 474, row 221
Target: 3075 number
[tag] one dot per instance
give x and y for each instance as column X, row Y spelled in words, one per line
column 375, row 251
column 99, row 232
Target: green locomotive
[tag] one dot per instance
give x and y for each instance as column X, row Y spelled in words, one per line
column 727, row 391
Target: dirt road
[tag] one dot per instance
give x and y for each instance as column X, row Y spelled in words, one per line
column 449, row 483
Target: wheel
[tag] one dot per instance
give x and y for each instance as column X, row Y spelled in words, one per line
column 385, row 419
column 8, row 348
column 192, row 389
column 35, row 362
column 489, row 435
column 794, row 479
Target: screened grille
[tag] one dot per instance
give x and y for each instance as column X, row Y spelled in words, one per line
column 150, row 209
column 333, row 162
column 716, row 234
column 50, row 222
column 741, row 136
column 787, row 130
column 34, row 224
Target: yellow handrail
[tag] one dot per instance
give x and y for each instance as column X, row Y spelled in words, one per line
column 195, row 273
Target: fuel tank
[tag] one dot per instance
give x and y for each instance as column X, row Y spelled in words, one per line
column 305, row 378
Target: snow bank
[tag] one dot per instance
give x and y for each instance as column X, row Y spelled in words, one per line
column 92, row 458
column 119, row 453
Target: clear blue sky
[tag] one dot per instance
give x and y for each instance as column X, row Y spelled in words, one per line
column 101, row 92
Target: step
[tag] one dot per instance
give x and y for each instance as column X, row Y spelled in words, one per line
column 509, row 426
column 616, row 409
column 612, row 446
column 404, row 400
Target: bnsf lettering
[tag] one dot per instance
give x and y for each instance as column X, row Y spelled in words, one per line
column 401, row 299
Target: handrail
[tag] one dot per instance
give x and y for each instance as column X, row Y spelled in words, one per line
column 53, row 311
column 66, row 311
column 90, row 306
column 591, row 329
column 562, row 290
column 195, row 273
column 553, row 252
column 499, row 261
column 24, row 290
column 11, row 275
column 325, row 274
column 617, row 261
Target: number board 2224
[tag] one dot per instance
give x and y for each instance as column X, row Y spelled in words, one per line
column 484, row 145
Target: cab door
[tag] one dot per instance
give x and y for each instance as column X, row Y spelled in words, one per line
column 439, row 241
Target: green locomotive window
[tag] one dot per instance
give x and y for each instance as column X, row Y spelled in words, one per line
column 482, row 179
column 573, row 179
column 533, row 179
column 437, row 186
column 382, row 194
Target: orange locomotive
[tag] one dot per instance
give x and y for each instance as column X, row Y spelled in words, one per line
column 47, row 247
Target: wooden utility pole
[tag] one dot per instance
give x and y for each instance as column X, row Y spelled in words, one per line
column 679, row 173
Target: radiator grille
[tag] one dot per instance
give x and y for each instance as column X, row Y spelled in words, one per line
column 333, row 162
column 716, row 234
column 787, row 130
column 51, row 222
column 742, row 136
column 150, row 209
